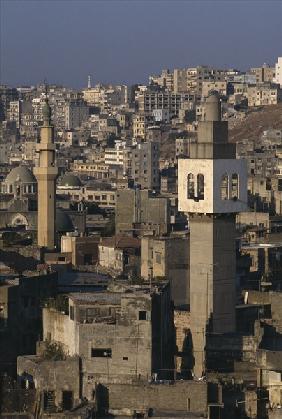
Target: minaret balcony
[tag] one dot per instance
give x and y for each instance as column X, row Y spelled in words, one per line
column 45, row 173
column 45, row 147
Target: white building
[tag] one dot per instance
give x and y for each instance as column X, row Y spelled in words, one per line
column 278, row 72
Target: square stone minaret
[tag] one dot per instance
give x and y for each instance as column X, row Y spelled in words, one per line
column 46, row 174
column 212, row 188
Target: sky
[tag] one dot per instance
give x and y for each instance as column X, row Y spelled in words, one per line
column 120, row 41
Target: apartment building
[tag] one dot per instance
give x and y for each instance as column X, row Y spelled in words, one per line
column 263, row 74
column 141, row 122
column 218, row 86
column 278, row 72
column 145, row 165
column 262, row 95
column 95, row 170
column 76, row 112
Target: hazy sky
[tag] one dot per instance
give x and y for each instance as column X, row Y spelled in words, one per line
column 125, row 41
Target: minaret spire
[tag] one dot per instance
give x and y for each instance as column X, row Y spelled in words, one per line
column 89, row 82
column 46, row 173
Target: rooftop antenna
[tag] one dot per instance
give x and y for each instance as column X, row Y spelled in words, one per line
column 89, row 82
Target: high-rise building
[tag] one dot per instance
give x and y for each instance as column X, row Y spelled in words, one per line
column 278, row 71
column 145, row 165
column 211, row 189
column 46, row 174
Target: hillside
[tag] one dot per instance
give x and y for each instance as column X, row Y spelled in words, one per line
column 250, row 128
column 256, row 122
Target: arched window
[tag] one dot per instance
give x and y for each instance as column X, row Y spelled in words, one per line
column 190, row 186
column 224, row 186
column 234, row 186
column 200, row 186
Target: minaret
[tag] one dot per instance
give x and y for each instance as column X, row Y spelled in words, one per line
column 46, row 174
column 89, row 82
column 212, row 188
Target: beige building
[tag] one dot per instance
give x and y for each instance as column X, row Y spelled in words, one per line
column 141, row 122
column 191, row 79
column 95, row 170
column 217, row 86
column 165, row 79
column 278, row 72
column 117, row 254
column 263, row 74
column 264, row 95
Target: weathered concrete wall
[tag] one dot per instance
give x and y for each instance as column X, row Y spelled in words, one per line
column 59, row 327
column 55, row 376
column 168, row 258
column 184, row 396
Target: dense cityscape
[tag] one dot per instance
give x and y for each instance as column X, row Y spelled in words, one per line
column 141, row 247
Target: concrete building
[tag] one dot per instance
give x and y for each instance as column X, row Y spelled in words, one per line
column 120, row 254
column 211, row 189
column 263, row 74
column 278, row 72
column 7, row 95
column 191, row 79
column 76, row 112
column 46, row 174
column 167, row 258
column 165, row 79
column 141, row 211
column 264, row 94
column 15, row 112
column 140, row 124
column 121, row 335
column 20, row 310
column 145, row 165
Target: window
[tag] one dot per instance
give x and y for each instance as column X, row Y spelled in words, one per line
column 234, row 186
column 125, row 358
column 101, row 353
column 200, row 186
column 158, row 258
column 190, row 186
column 142, row 315
column 224, row 186
column 67, row 400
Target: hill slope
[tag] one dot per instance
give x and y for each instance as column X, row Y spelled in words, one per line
column 256, row 122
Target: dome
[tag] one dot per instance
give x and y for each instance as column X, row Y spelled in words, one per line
column 63, row 222
column 20, row 174
column 70, row 181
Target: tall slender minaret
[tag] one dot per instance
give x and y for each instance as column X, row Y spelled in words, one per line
column 212, row 188
column 89, row 82
column 46, row 174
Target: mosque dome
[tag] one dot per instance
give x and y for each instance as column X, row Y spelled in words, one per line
column 20, row 174
column 63, row 222
column 70, row 181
